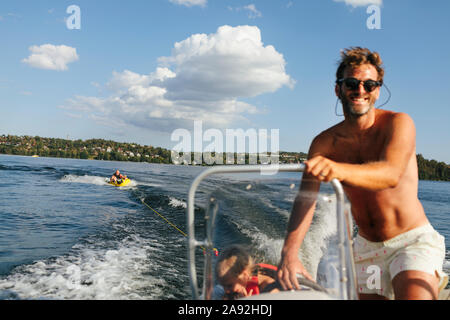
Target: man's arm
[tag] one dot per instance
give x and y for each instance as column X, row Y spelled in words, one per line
column 298, row 225
column 382, row 174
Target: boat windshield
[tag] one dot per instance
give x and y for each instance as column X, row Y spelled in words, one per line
column 252, row 210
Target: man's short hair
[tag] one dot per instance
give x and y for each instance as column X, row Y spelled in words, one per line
column 356, row 56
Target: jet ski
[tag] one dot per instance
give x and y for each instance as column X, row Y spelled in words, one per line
column 120, row 183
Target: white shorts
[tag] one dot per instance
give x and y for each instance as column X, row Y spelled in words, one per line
column 377, row 263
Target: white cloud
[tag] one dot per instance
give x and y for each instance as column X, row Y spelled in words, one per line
column 10, row 16
column 14, row 15
column 190, row 3
column 51, row 57
column 203, row 79
column 253, row 12
column 74, row 115
column 128, row 78
column 233, row 62
column 361, row 3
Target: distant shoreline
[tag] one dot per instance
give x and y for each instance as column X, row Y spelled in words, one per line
column 108, row 150
column 167, row 164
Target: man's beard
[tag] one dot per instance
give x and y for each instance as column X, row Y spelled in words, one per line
column 350, row 109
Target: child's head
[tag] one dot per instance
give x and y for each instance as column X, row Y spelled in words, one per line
column 234, row 269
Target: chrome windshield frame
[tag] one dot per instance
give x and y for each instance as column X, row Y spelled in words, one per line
column 347, row 288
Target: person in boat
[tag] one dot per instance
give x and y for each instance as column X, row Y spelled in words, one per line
column 117, row 177
column 372, row 152
column 240, row 277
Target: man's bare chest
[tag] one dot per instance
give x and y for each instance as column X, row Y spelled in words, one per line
column 358, row 150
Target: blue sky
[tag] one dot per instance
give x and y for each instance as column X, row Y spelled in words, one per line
column 135, row 71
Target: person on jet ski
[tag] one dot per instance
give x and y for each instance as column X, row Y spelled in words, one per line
column 117, row 177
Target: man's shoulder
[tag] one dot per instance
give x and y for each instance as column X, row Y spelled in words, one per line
column 392, row 114
column 394, row 118
column 323, row 142
column 329, row 134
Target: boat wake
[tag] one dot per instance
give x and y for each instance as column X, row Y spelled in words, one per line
column 70, row 178
column 174, row 202
column 92, row 271
column 87, row 179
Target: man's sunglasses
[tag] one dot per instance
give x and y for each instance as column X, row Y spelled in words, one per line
column 353, row 84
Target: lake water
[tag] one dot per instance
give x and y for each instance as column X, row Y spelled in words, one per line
column 67, row 234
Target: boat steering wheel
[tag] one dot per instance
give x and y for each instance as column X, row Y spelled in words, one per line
column 311, row 284
column 302, row 282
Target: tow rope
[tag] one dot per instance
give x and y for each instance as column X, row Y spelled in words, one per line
column 216, row 252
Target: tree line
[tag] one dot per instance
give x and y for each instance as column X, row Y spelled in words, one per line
column 95, row 149
column 432, row 169
column 99, row 149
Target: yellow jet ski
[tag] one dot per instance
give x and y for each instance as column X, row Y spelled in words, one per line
column 123, row 182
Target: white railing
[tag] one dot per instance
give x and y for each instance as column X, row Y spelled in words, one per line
column 347, row 288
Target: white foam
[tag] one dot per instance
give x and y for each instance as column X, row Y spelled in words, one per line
column 70, row 178
column 315, row 244
column 270, row 247
column 316, row 240
column 96, row 180
column 90, row 273
column 174, row 202
column 323, row 227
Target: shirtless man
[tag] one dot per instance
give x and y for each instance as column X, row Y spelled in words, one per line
column 372, row 153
